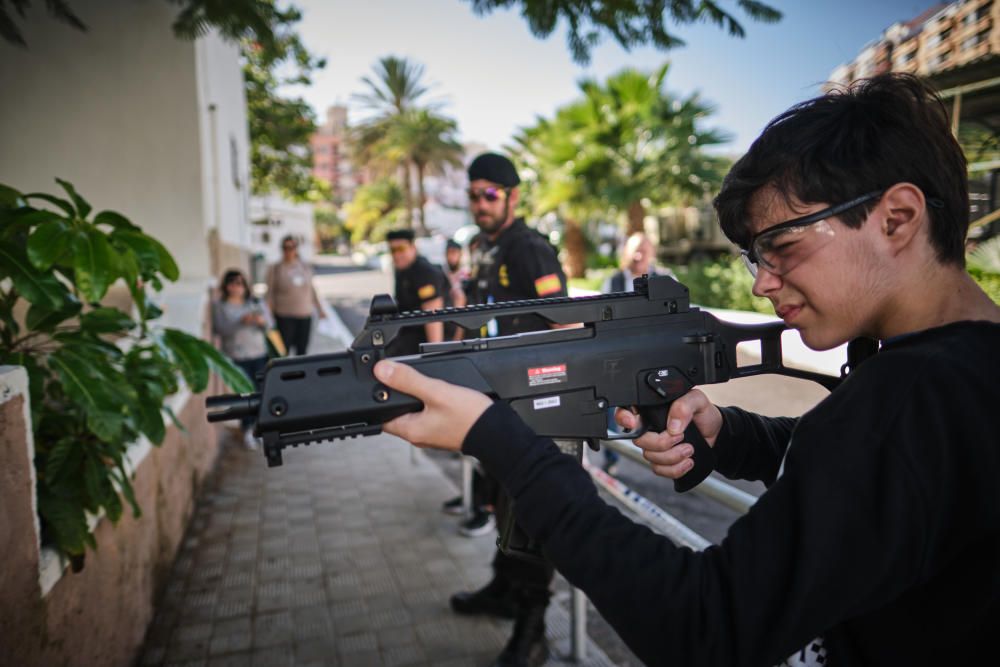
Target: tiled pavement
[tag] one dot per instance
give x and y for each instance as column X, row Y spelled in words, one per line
column 339, row 557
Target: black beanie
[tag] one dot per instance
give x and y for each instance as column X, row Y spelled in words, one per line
column 495, row 169
column 400, row 235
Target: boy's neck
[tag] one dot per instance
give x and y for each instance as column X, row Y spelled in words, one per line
column 945, row 294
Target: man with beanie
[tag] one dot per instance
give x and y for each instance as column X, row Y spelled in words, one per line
column 514, row 263
column 420, row 285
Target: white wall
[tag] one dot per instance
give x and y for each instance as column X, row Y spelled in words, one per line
column 225, row 139
column 120, row 112
column 283, row 218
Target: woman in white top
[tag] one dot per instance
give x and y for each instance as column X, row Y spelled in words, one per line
column 241, row 323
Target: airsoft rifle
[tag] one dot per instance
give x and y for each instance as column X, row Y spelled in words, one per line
column 644, row 348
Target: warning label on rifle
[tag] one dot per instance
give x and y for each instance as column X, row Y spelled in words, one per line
column 546, row 375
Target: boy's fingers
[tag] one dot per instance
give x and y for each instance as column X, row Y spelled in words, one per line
column 403, row 378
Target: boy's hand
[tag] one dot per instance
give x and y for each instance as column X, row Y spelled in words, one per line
column 666, row 452
column 449, row 410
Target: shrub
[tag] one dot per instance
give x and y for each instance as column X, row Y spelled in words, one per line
column 98, row 377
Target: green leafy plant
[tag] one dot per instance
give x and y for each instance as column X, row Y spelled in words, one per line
column 98, row 376
column 722, row 284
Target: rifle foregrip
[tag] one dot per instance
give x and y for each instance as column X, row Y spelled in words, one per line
column 704, row 458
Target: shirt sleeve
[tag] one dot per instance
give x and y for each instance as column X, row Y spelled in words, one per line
column 535, row 270
column 751, row 446
column 835, row 536
column 223, row 323
column 427, row 282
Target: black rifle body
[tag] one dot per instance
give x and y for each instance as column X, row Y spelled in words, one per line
column 643, row 349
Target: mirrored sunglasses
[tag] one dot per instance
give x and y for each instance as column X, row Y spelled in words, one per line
column 490, row 194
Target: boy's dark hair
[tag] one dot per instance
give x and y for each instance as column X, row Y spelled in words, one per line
column 869, row 136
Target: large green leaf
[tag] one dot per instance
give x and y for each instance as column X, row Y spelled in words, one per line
column 41, row 317
column 152, row 255
column 34, row 286
column 126, row 487
column 18, row 220
column 9, row 197
column 116, row 220
column 231, row 374
column 82, row 207
column 148, row 418
column 49, row 243
column 95, row 264
column 65, row 521
column 106, row 320
column 55, row 201
column 106, row 425
column 189, row 358
column 83, row 383
column 62, row 457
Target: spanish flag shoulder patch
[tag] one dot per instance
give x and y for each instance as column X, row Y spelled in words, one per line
column 428, row 291
column 549, row 284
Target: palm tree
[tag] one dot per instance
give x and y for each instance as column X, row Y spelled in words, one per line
column 395, row 88
column 428, row 142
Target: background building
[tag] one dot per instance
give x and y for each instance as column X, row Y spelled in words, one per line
column 956, row 48
column 331, row 155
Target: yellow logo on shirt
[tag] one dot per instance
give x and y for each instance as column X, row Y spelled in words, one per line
column 549, row 284
column 427, row 292
column 504, row 278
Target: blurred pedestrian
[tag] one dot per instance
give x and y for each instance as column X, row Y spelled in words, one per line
column 420, row 285
column 241, row 322
column 291, row 297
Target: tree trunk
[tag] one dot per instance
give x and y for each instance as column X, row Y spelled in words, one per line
column 636, row 216
column 404, row 182
column 575, row 244
column 421, row 199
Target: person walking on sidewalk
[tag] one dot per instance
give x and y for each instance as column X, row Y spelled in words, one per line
column 877, row 541
column 291, row 297
column 240, row 322
column 515, row 262
column 420, row 285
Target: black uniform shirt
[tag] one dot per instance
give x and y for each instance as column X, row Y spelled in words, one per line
column 519, row 264
column 416, row 285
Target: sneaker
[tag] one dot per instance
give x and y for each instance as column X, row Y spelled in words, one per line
column 480, row 523
column 249, row 441
column 611, row 469
column 453, row 506
column 527, row 646
column 493, row 599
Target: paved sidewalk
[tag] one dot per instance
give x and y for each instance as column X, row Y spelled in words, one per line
column 339, row 557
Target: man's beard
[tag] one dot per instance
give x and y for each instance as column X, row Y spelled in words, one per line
column 491, row 224
column 453, row 267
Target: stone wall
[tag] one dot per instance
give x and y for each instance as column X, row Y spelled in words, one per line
column 98, row 616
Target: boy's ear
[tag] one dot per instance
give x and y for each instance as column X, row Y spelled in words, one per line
column 904, row 212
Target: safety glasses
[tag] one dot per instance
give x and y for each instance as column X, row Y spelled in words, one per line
column 490, row 194
column 781, row 248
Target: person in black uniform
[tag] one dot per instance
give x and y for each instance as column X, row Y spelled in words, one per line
column 877, row 541
column 514, row 262
column 420, row 285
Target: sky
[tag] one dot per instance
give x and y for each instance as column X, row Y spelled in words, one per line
column 494, row 76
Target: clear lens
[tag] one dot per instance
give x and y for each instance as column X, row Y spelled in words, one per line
column 784, row 249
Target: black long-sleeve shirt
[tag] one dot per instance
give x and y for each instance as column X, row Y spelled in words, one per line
column 881, row 533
